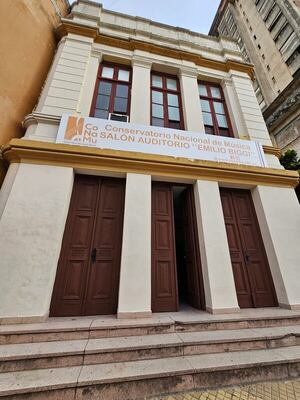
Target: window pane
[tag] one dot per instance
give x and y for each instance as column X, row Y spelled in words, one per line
column 120, row 105
column 224, row 132
column 107, row 72
column 174, row 125
column 222, row 121
column 171, row 84
column 123, row 75
column 173, row 100
column 209, row 130
column 215, row 92
column 202, row 90
column 205, row 105
column 105, row 88
column 122, row 91
column 174, row 113
column 157, row 97
column 219, row 108
column 158, row 122
column 157, row 111
column 101, row 114
column 102, row 102
column 157, row 81
column 207, row 119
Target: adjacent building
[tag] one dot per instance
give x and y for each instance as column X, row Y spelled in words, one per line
column 28, row 44
column 146, row 179
column 268, row 34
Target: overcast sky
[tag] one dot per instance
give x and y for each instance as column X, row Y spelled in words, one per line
column 196, row 15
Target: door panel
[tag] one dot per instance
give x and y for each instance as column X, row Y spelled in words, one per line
column 164, row 280
column 240, row 272
column 195, row 289
column 78, row 281
column 102, row 296
column 252, row 275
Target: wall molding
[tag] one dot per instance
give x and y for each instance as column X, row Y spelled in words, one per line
column 72, row 27
column 113, row 161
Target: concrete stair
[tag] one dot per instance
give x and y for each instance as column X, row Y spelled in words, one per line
column 112, row 359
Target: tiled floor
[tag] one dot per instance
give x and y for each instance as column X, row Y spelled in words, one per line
column 277, row 390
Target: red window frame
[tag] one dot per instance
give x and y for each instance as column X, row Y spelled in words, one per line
column 215, row 129
column 114, row 81
column 165, row 91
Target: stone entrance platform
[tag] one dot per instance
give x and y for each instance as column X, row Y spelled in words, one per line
column 109, row 358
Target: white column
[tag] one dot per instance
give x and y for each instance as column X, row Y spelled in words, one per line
column 193, row 120
column 140, row 92
column 135, row 276
column 256, row 128
column 220, row 292
column 88, row 87
column 31, row 230
column 278, row 214
column 235, row 110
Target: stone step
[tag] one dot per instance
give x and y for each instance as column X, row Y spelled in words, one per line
column 80, row 328
column 137, row 379
column 15, row 357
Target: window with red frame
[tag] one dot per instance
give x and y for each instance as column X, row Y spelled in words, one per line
column 166, row 109
column 112, row 91
column 214, row 111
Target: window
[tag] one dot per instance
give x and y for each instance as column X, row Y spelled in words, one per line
column 166, row 109
column 294, row 59
column 214, row 110
column 112, row 91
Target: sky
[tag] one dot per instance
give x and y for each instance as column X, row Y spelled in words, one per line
column 196, row 15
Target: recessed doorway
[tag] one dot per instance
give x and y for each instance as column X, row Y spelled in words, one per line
column 176, row 266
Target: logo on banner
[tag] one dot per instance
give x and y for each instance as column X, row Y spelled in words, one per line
column 74, row 129
column 78, row 131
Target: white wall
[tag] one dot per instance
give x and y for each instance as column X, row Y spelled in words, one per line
column 31, row 231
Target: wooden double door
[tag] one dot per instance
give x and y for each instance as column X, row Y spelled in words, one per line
column 87, row 279
column 252, row 276
column 164, row 283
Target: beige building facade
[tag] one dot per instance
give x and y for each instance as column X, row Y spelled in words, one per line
column 268, row 34
column 88, row 230
column 27, row 29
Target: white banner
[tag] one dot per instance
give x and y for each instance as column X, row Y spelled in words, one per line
column 106, row 134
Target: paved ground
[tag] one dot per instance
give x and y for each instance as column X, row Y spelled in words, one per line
column 275, row 390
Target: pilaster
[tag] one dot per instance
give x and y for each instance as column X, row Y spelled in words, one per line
column 140, row 92
column 219, row 287
column 193, row 119
column 278, row 214
column 135, row 275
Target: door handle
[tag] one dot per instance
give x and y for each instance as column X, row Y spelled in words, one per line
column 94, row 255
column 247, row 258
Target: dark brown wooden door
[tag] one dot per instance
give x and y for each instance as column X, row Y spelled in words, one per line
column 195, row 289
column 251, row 270
column 164, row 278
column 87, row 278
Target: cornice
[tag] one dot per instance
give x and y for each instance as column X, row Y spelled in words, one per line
column 36, row 117
column 68, row 26
column 275, row 151
column 101, row 160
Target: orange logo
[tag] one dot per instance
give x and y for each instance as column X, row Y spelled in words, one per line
column 74, row 128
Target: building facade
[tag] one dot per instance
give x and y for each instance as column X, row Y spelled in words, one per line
column 269, row 36
column 31, row 26
column 91, row 229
